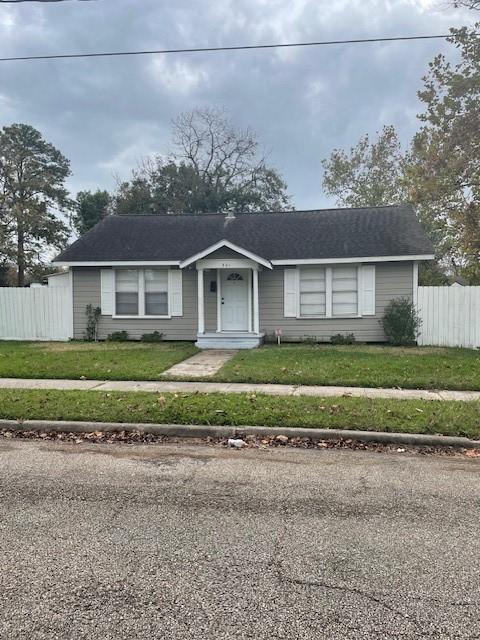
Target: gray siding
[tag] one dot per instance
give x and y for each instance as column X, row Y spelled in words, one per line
column 209, row 276
column 392, row 280
column 86, row 290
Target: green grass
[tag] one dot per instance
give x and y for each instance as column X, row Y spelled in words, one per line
column 96, row 361
column 357, row 365
column 409, row 416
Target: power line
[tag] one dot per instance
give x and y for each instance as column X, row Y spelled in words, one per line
column 18, row 1
column 111, row 54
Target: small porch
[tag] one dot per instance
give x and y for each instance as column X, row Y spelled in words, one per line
column 229, row 340
column 228, row 304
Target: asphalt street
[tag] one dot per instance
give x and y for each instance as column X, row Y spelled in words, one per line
column 192, row 542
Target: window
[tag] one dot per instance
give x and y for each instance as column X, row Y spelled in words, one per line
column 126, row 292
column 312, row 292
column 156, row 292
column 344, row 291
column 141, row 292
column 235, row 276
column 328, row 291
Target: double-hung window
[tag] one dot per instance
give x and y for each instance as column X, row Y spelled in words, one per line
column 156, row 292
column 126, row 292
column 313, row 291
column 328, row 291
column 141, row 292
column 344, row 291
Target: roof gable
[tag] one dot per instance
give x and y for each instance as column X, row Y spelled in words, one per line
column 229, row 245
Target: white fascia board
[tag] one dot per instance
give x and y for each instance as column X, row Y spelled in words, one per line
column 352, row 260
column 54, row 275
column 219, row 245
column 131, row 263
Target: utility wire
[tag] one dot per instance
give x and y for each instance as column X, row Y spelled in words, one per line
column 18, row 1
column 111, row 54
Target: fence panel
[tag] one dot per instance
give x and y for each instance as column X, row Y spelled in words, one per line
column 450, row 316
column 43, row 313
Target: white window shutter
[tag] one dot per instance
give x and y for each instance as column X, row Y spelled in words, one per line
column 175, row 292
column 107, row 291
column 367, row 297
column 290, row 293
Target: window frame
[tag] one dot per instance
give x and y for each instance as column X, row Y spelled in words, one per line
column 141, row 295
column 329, row 295
column 357, row 291
column 116, row 292
column 299, row 289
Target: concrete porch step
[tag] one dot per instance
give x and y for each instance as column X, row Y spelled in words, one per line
column 230, row 340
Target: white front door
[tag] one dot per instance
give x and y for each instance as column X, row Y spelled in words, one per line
column 234, row 300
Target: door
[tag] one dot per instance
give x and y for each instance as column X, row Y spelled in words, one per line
column 234, row 300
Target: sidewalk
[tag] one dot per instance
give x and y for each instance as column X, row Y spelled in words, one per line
column 227, row 387
column 201, row 365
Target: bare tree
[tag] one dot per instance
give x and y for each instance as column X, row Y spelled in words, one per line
column 469, row 4
column 222, row 155
column 214, row 166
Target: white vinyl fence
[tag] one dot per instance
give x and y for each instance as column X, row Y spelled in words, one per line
column 38, row 313
column 450, row 316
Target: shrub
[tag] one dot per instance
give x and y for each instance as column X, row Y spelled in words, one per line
column 156, row 336
column 118, row 336
column 401, row 322
column 93, row 314
column 340, row 338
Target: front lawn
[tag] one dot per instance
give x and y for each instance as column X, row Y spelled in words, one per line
column 95, row 361
column 409, row 416
column 357, row 366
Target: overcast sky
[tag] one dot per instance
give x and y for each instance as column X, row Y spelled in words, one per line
column 105, row 114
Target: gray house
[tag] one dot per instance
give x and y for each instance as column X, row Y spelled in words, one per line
column 229, row 280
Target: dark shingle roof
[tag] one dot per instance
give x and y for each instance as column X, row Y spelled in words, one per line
column 327, row 233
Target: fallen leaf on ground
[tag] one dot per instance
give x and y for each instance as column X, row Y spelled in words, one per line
column 472, row 453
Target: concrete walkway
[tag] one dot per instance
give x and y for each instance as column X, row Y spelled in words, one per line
column 231, row 387
column 201, row 365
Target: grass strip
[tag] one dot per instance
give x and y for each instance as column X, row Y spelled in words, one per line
column 406, row 416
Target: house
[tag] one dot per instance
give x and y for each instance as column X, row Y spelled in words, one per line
column 60, row 279
column 229, row 280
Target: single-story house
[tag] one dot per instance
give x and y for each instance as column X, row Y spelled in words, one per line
column 229, row 280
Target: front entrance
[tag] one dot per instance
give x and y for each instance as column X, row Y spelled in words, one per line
column 236, row 303
column 235, row 300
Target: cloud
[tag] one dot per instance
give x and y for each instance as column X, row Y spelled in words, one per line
column 7, row 111
column 7, row 20
column 176, row 76
column 104, row 114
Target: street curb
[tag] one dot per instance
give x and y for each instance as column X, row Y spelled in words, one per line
column 204, row 431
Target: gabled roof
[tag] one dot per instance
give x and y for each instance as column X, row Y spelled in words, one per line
column 275, row 236
column 222, row 244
